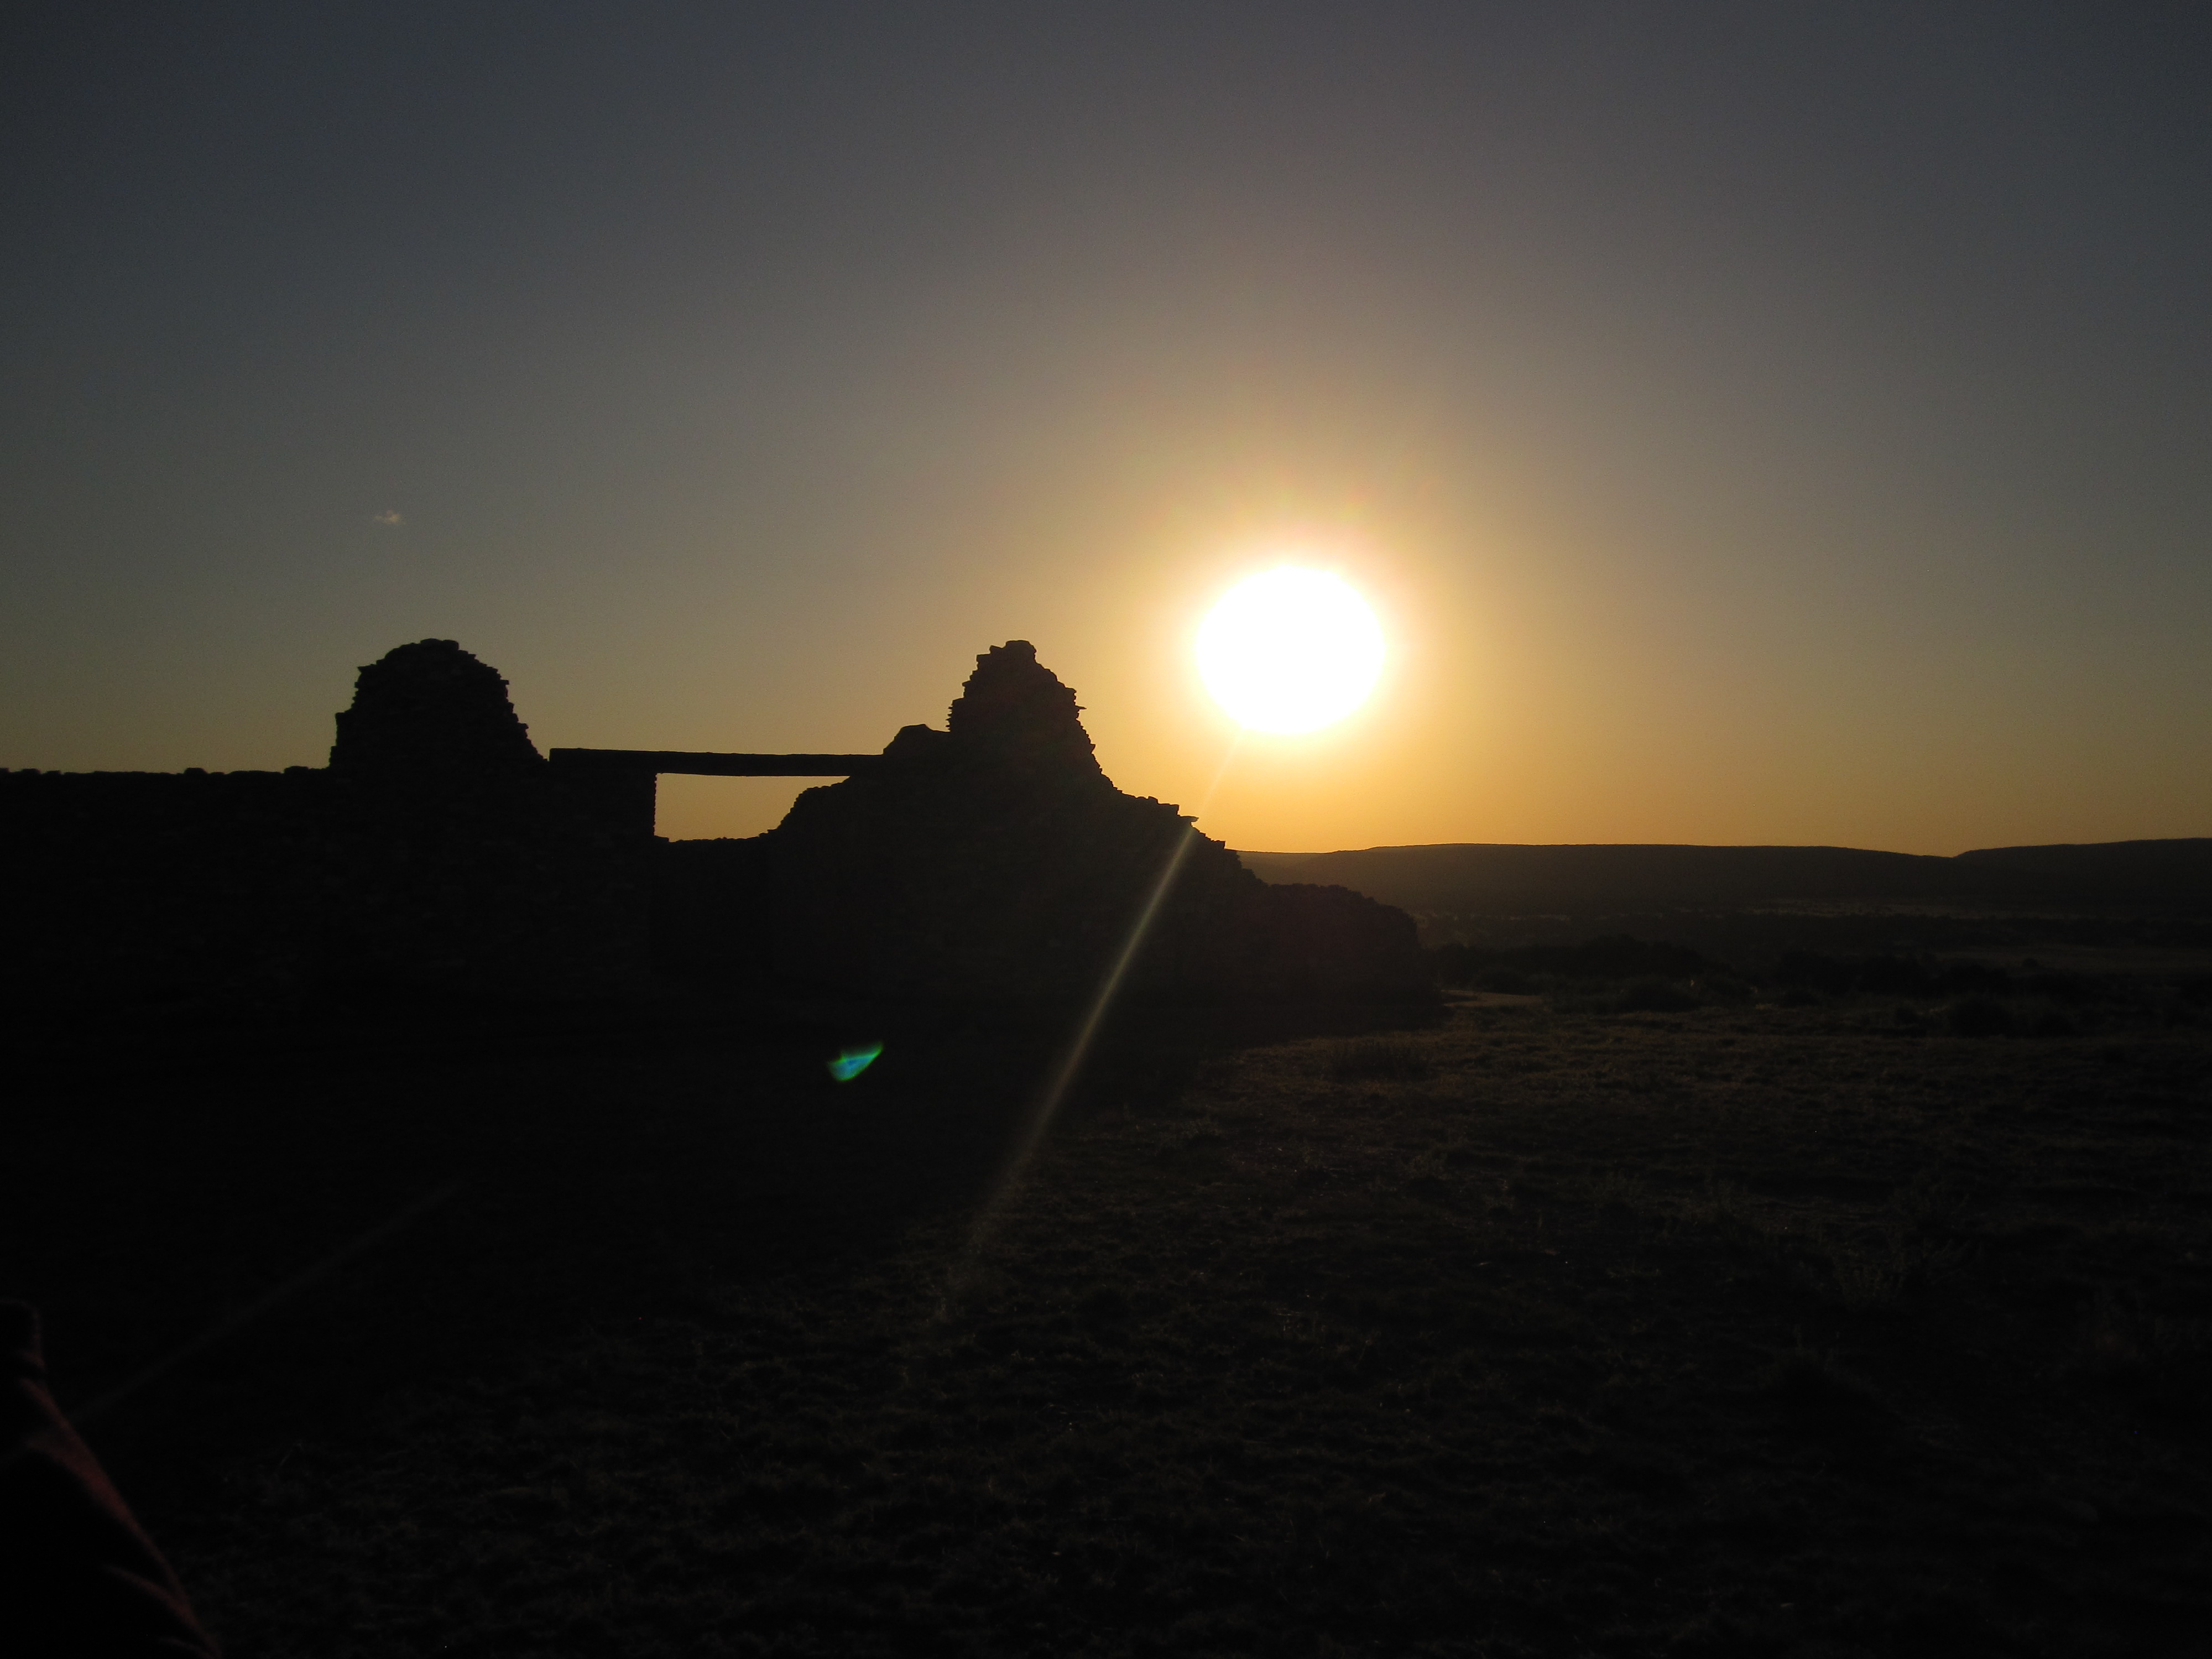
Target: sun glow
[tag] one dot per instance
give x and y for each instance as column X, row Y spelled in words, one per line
column 1291, row 650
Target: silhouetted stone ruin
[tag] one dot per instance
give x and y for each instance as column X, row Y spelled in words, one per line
column 437, row 854
column 440, row 852
column 459, row 860
column 1014, row 717
column 995, row 859
column 429, row 716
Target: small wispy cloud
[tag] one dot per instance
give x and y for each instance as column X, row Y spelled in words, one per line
column 389, row 519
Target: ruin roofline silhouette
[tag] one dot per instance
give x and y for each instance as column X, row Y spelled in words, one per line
column 440, row 853
column 710, row 763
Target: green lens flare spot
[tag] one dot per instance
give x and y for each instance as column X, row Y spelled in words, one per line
column 854, row 1061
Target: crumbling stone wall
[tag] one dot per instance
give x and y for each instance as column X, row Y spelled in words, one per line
column 995, row 859
column 151, row 885
column 440, row 853
column 436, row 854
column 460, row 861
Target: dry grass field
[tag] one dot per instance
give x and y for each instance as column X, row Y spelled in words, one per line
column 1537, row 1329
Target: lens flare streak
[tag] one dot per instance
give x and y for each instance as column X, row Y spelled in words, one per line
column 1078, row 1048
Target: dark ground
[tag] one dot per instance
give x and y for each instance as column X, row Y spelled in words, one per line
column 1549, row 1330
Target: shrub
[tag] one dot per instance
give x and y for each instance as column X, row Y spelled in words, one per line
column 1976, row 978
column 1980, row 1017
column 2049, row 1022
column 1808, row 970
column 1617, row 956
column 1651, row 995
column 1398, row 1058
column 1894, row 976
column 1885, row 976
column 2062, row 988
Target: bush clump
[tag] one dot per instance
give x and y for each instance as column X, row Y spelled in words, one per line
column 1394, row 1058
column 1618, row 955
column 1649, row 993
column 1980, row 1017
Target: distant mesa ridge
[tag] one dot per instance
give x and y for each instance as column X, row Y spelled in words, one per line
column 1503, row 878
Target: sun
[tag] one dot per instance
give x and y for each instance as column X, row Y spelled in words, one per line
column 1291, row 650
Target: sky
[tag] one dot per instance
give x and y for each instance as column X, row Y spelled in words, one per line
column 1752, row 423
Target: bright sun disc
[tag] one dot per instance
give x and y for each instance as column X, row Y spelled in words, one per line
column 1290, row 651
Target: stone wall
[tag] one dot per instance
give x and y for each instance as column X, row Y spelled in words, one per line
column 161, row 885
column 995, row 861
column 437, row 854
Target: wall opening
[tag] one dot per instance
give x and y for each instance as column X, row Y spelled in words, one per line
column 686, row 808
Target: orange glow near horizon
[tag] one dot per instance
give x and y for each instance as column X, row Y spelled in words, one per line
column 1710, row 480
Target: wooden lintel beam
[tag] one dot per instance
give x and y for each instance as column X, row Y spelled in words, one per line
column 700, row 764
